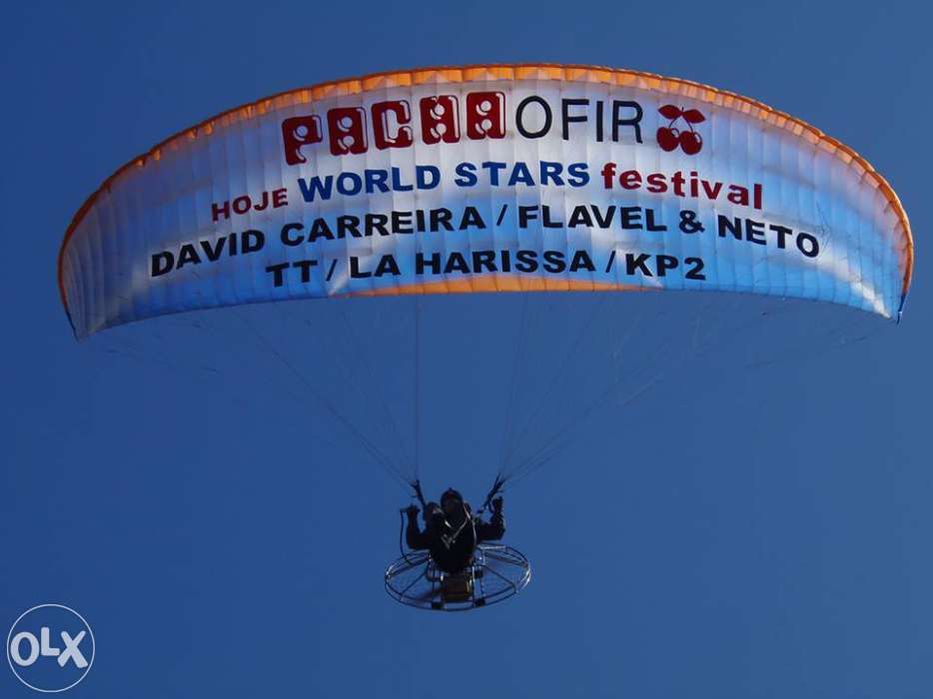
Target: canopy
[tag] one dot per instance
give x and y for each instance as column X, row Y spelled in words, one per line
column 486, row 179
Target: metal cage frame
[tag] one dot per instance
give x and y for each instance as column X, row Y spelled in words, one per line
column 496, row 573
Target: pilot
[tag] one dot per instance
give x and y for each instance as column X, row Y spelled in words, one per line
column 452, row 531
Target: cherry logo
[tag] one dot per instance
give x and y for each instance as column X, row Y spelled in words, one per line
column 669, row 137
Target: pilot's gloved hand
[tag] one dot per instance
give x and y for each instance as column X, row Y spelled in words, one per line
column 431, row 510
column 497, row 505
column 412, row 511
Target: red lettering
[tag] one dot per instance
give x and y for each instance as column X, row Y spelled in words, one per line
column 485, row 115
column 347, row 130
column 440, row 119
column 401, row 114
column 298, row 132
column 241, row 204
column 630, row 179
column 218, row 211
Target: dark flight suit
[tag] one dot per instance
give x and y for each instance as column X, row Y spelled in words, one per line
column 452, row 547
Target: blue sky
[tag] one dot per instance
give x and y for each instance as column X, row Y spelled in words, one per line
column 756, row 526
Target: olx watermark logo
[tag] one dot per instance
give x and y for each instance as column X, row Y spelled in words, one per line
column 50, row 648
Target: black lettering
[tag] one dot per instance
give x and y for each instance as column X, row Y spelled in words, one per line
column 484, row 261
column 581, row 260
column 635, row 263
column 617, row 120
column 554, row 261
column 696, row 268
column 755, row 232
column 665, row 263
column 725, row 225
column 162, row 263
column 520, row 111
column 305, row 267
column 377, row 223
column 526, row 261
column 566, row 118
column 456, row 263
column 433, row 262
column 440, row 218
column 812, row 247
column 472, row 219
column 287, row 239
column 278, row 272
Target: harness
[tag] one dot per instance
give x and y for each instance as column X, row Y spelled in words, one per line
column 450, row 539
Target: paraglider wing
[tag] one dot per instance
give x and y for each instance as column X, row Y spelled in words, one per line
column 486, row 178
